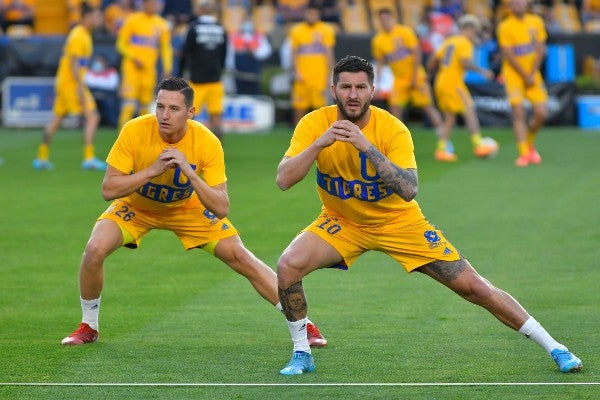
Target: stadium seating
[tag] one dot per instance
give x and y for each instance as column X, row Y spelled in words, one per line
column 51, row 17
column 480, row 8
column 592, row 26
column 411, row 12
column 354, row 16
column 567, row 16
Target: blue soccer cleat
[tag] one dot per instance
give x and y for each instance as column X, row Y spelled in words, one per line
column 566, row 361
column 300, row 363
column 41, row 165
column 93, row 164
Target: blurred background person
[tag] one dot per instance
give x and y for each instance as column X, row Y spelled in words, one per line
column 144, row 38
column 522, row 39
column 73, row 97
column 397, row 46
column 103, row 81
column 311, row 42
column 248, row 49
column 451, row 61
column 203, row 61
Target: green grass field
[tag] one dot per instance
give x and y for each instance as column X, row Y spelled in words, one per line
column 179, row 324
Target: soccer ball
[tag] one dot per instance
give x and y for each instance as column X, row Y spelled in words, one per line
column 490, row 143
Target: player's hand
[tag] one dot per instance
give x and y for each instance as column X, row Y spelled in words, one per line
column 529, row 81
column 488, row 74
column 173, row 158
column 346, row 131
column 137, row 63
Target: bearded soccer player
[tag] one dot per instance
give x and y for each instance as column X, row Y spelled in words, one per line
column 367, row 181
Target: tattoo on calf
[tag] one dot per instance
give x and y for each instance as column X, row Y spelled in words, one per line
column 293, row 302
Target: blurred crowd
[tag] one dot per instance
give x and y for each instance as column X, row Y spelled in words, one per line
column 258, row 30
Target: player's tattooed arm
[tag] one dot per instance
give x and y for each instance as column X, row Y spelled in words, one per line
column 293, row 302
column 404, row 182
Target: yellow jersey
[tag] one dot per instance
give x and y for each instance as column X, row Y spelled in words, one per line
column 144, row 37
column 451, row 54
column 79, row 47
column 139, row 145
column 521, row 35
column 347, row 182
column 311, row 44
column 396, row 49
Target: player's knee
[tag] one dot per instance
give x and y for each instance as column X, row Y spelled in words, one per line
column 478, row 291
column 288, row 270
column 95, row 252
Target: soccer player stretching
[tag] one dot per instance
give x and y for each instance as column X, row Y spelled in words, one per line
column 167, row 172
column 367, row 182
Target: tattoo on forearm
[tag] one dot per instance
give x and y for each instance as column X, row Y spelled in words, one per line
column 402, row 181
column 293, row 302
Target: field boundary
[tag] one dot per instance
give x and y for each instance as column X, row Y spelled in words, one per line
column 374, row 384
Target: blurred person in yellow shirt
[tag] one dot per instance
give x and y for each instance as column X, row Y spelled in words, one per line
column 522, row 40
column 312, row 42
column 451, row 61
column 397, row 46
column 144, row 37
column 72, row 94
column 116, row 13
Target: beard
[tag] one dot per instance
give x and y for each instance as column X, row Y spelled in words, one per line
column 353, row 117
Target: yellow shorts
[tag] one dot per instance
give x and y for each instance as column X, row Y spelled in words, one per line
column 138, row 84
column 66, row 101
column 516, row 92
column 308, row 96
column 210, row 94
column 452, row 98
column 195, row 227
column 412, row 245
column 402, row 94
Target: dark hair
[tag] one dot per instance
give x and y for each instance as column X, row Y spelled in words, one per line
column 353, row 64
column 385, row 10
column 177, row 84
column 87, row 8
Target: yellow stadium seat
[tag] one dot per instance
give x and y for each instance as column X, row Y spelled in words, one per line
column 567, row 16
column 354, row 17
column 411, row 12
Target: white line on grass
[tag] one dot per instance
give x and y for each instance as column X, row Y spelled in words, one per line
column 150, row 384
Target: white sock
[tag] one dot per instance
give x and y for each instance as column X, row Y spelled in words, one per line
column 299, row 337
column 534, row 331
column 278, row 306
column 90, row 309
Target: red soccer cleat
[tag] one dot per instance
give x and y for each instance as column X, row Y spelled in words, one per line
column 522, row 161
column 83, row 334
column 534, row 156
column 315, row 339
